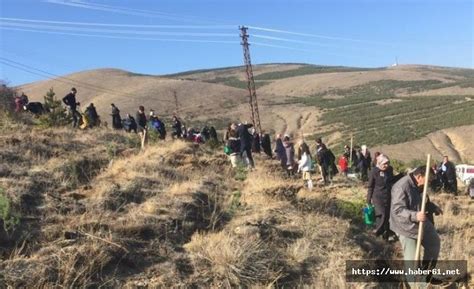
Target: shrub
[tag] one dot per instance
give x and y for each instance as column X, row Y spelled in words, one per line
column 56, row 115
column 9, row 219
column 7, row 95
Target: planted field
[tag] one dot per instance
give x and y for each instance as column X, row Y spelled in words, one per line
column 308, row 69
column 375, row 114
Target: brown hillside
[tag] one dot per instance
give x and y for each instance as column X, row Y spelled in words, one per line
column 220, row 95
column 456, row 143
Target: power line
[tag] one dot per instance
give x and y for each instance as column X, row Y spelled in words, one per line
column 134, row 32
column 121, row 37
column 120, row 25
column 134, row 12
column 317, row 35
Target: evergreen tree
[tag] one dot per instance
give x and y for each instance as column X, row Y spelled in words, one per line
column 55, row 114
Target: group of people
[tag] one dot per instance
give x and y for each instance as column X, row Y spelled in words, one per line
column 444, row 176
column 396, row 198
column 138, row 124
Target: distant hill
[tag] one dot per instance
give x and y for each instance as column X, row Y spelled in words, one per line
column 378, row 106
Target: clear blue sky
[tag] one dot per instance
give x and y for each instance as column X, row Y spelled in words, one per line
column 349, row 33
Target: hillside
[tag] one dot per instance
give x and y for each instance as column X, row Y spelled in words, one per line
column 378, row 106
column 92, row 210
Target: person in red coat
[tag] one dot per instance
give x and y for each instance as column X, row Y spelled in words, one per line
column 343, row 165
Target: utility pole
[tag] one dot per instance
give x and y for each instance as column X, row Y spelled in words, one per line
column 250, row 81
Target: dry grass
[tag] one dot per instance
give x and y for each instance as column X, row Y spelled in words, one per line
column 226, row 261
column 174, row 216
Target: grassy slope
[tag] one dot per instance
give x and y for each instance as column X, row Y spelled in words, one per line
column 177, row 215
column 378, row 106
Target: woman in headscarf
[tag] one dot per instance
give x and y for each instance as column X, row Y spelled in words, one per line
column 289, row 151
column 280, row 149
column 305, row 164
column 378, row 194
column 116, row 119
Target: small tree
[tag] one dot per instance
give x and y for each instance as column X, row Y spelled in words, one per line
column 7, row 95
column 8, row 218
column 55, row 114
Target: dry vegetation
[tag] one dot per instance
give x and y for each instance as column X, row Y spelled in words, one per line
column 94, row 211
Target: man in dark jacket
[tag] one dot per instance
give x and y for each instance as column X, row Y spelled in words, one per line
column 448, row 176
column 378, row 194
column 70, row 101
column 176, row 128
column 405, row 217
column 246, row 142
column 324, row 161
column 140, row 118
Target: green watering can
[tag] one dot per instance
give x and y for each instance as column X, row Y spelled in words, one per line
column 369, row 215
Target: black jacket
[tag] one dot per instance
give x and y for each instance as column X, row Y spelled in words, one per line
column 141, row 119
column 70, row 100
column 450, row 173
column 380, row 185
column 244, row 135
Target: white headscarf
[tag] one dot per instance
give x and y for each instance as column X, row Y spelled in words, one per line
column 381, row 160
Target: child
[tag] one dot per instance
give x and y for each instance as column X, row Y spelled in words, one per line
column 305, row 164
column 343, row 165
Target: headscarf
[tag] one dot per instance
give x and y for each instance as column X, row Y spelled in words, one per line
column 382, row 159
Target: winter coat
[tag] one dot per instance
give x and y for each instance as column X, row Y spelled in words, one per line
column 256, row 144
column 70, row 100
column 322, row 156
column 405, row 203
column 343, row 164
column 266, row 145
column 116, row 119
column 177, row 128
column 304, row 164
column 91, row 112
column 213, row 134
column 450, row 173
column 380, row 185
column 280, row 150
column 245, row 136
column 141, row 119
column 289, row 154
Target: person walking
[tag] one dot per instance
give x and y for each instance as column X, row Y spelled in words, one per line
column 176, row 128
column 343, row 165
column 405, row 218
column 246, row 142
column 364, row 164
column 91, row 113
column 448, row 176
column 267, row 145
column 70, row 101
column 233, row 143
column 289, row 155
column 116, row 119
column 324, row 162
column 305, row 164
column 378, row 194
